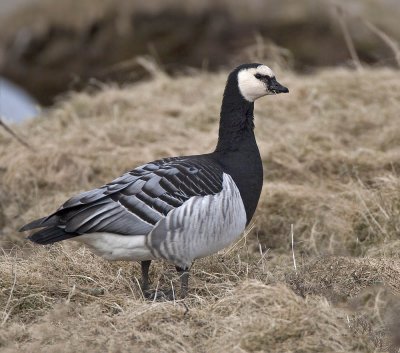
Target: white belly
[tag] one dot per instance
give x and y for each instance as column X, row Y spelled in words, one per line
column 117, row 247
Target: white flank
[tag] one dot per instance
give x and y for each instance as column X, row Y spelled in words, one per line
column 203, row 225
column 116, row 247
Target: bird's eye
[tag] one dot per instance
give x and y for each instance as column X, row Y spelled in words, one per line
column 258, row 76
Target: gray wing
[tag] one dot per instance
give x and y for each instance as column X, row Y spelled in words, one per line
column 133, row 203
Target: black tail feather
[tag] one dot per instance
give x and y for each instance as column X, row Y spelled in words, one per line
column 50, row 235
column 40, row 223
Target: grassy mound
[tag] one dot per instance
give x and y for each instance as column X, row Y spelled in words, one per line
column 331, row 160
column 69, row 301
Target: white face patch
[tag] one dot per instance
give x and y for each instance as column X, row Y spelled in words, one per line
column 251, row 87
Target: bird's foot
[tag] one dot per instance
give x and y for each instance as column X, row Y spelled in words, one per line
column 160, row 295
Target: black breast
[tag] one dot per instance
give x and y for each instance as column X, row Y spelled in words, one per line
column 245, row 168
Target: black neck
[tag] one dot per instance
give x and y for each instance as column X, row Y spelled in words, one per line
column 237, row 150
column 237, row 119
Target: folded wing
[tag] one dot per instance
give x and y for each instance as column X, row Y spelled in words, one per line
column 133, row 203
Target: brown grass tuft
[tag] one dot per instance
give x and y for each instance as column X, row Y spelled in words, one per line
column 330, row 151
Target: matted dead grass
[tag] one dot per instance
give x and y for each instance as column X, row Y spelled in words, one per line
column 331, row 151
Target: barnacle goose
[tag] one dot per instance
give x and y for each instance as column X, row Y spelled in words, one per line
column 179, row 208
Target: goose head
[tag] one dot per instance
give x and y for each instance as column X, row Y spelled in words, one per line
column 257, row 80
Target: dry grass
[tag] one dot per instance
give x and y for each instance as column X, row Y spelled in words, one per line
column 70, row 13
column 52, row 46
column 331, row 156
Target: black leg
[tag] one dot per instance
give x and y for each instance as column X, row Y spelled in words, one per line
column 160, row 294
column 184, row 276
column 145, row 275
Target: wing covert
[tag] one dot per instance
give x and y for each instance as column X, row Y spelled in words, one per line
column 133, row 203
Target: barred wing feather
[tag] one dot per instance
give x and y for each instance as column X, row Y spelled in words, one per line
column 133, row 203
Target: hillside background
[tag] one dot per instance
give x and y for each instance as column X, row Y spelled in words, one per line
column 49, row 47
column 121, row 83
